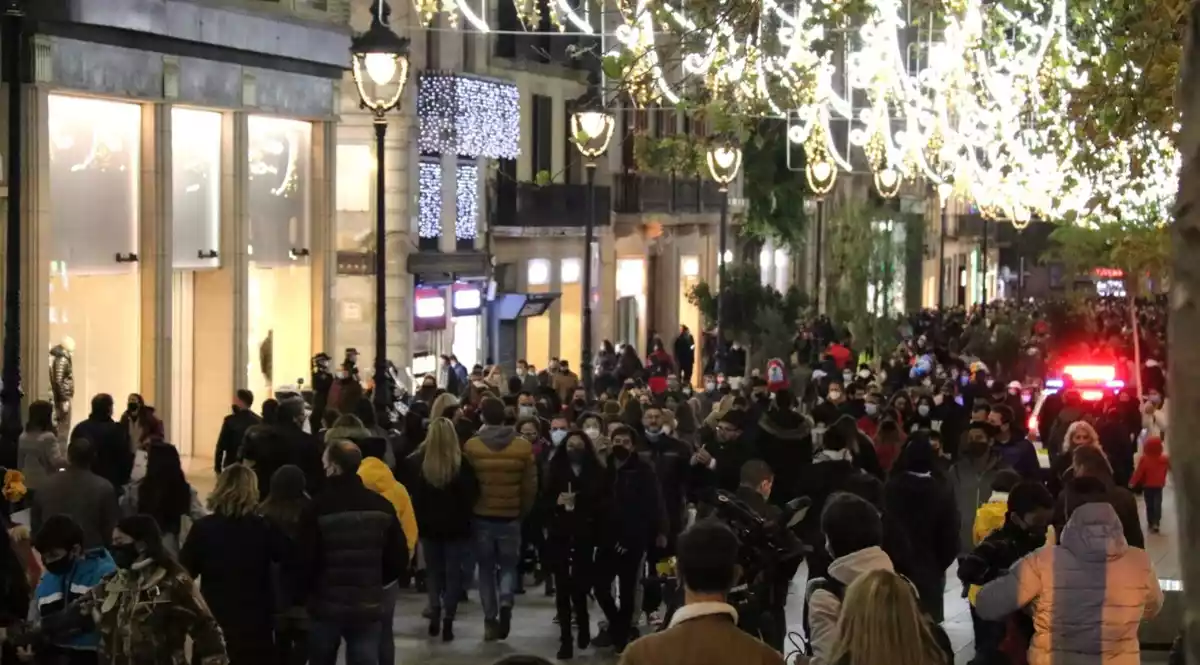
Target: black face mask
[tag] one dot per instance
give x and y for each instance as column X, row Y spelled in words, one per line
column 132, row 407
column 579, row 404
column 61, row 567
column 124, row 555
column 621, row 453
column 235, row 408
column 576, row 456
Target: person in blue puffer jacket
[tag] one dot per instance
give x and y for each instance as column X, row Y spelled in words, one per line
column 71, row 572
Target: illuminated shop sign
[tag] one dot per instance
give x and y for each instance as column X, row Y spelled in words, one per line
column 468, row 300
column 429, row 310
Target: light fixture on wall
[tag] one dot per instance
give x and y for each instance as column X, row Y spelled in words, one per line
column 380, row 56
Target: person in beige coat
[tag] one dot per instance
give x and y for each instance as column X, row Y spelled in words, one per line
column 1089, row 593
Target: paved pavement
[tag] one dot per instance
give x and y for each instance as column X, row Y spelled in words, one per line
column 535, row 633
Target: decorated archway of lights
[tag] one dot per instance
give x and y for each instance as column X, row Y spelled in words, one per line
column 971, row 119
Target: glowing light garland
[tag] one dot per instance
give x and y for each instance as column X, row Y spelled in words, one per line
column 466, row 226
column 429, row 200
column 469, row 117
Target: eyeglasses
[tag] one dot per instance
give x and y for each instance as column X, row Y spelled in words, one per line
column 727, row 430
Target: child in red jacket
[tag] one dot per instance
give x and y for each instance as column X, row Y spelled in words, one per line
column 1151, row 477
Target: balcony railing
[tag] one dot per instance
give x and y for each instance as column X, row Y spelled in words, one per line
column 665, row 194
column 527, row 204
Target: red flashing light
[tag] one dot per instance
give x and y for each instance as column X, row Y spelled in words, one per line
column 1091, row 373
column 1092, row 395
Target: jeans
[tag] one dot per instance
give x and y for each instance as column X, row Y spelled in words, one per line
column 572, row 567
column 498, row 548
column 387, row 641
column 625, row 568
column 362, row 642
column 444, row 573
column 1153, row 496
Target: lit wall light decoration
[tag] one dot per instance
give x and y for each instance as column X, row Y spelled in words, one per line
column 724, row 162
column 466, row 226
column 429, row 208
column 821, row 176
column 470, row 117
column 888, row 181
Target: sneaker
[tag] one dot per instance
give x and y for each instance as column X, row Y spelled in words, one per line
column 602, row 638
column 565, row 651
column 491, row 630
column 505, row 622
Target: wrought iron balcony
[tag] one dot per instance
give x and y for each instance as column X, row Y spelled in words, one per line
column 527, row 204
column 669, row 194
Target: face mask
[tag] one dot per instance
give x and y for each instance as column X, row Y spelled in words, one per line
column 521, row 373
column 124, row 555
column 526, row 411
column 592, row 433
column 847, row 377
column 61, row 567
column 653, row 432
column 576, row 455
column 710, row 386
column 871, row 409
column 975, row 448
column 990, row 382
column 557, row 436
column 834, row 396
column 132, row 407
column 864, row 373
column 923, row 409
column 621, row 453
column 1025, row 398
column 938, row 399
column 579, row 405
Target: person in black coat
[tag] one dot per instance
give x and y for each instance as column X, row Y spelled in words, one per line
column 719, row 466
column 785, row 445
column 668, row 457
column 233, row 430
column 862, row 449
column 114, row 454
column 573, row 501
column 300, row 447
column 444, row 488
column 921, row 503
column 832, row 470
column 231, row 552
column 350, row 547
column 636, row 518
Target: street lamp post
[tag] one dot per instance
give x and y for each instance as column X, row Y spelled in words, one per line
column 14, row 48
column 379, row 59
column 592, row 129
column 821, row 176
column 724, row 162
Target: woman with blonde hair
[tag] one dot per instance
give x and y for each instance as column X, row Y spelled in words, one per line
column 441, row 404
column 231, row 552
column 444, row 490
column 1080, row 434
column 881, row 622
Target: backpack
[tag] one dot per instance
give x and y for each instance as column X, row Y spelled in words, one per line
column 838, row 589
column 824, row 584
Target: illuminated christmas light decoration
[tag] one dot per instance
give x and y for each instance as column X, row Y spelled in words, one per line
column 466, row 225
column 429, row 200
column 469, row 117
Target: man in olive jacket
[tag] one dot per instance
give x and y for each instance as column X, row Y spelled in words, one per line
column 507, row 473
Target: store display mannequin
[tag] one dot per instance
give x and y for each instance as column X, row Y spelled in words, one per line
column 62, row 383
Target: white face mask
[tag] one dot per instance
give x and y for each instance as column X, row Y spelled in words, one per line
column 557, row 436
column 710, row 386
column 592, row 433
column 871, row 408
column 923, row 409
column 526, row 411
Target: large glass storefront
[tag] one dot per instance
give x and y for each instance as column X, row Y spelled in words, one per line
column 280, row 283
column 689, row 314
column 94, row 297
column 201, row 295
column 631, row 303
column 537, row 328
column 570, row 321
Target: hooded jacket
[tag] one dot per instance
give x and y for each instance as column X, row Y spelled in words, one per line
column 825, row 608
column 1106, row 587
column 507, row 472
column 55, row 592
column 972, row 486
column 378, row 478
column 1152, row 468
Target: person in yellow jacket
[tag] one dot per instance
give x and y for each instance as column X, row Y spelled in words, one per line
column 991, row 515
column 378, row 478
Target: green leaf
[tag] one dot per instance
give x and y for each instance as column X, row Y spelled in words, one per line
column 543, row 178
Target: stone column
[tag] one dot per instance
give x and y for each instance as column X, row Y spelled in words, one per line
column 155, row 257
column 555, row 312
column 36, row 243
column 322, row 235
column 235, row 237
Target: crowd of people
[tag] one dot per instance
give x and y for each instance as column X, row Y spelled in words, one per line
column 324, row 509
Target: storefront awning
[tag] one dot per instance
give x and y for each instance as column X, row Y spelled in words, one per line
column 513, row 306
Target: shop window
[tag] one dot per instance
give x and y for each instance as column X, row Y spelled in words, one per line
column 689, row 314
column 280, row 294
column 196, row 183
column 570, row 327
column 94, row 292
column 537, row 328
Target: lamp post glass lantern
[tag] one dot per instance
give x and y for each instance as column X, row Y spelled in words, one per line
column 724, row 162
column 592, row 129
column 379, row 65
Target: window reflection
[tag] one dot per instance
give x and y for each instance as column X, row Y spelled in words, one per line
column 94, row 299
